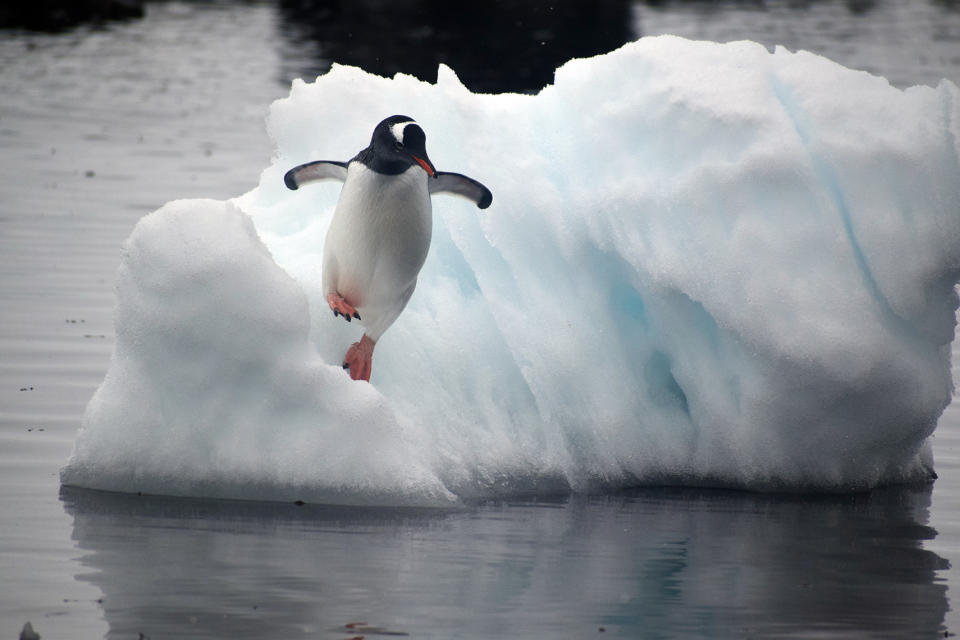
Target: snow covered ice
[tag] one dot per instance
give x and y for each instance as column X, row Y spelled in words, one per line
column 704, row 264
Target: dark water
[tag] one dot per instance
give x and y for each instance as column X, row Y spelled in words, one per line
column 498, row 46
column 99, row 126
column 653, row 564
column 515, row 45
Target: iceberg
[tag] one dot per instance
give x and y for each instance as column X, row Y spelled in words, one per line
column 705, row 264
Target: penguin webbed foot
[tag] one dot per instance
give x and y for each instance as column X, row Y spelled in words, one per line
column 341, row 307
column 359, row 359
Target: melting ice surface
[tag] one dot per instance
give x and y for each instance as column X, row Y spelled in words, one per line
column 704, row 264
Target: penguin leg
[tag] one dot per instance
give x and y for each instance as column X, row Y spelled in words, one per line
column 359, row 358
column 342, row 307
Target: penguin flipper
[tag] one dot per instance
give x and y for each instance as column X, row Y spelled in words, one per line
column 316, row 170
column 461, row 185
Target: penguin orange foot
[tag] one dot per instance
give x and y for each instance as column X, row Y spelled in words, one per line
column 342, row 307
column 359, row 359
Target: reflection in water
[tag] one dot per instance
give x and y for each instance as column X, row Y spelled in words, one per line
column 658, row 562
column 497, row 46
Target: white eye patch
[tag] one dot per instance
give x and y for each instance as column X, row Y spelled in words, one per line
column 397, row 130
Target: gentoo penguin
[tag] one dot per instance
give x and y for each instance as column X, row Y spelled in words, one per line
column 380, row 233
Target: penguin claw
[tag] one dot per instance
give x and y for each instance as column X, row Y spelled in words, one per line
column 341, row 307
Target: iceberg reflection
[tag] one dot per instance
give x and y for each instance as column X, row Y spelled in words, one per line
column 661, row 562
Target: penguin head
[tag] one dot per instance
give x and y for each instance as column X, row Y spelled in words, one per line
column 398, row 143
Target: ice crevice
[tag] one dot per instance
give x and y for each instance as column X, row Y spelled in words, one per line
column 831, row 183
column 704, row 264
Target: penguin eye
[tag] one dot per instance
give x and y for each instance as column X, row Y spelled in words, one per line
column 398, row 145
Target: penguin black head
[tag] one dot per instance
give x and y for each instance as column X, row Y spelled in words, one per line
column 397, row 144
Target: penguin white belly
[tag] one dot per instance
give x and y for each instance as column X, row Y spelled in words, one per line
column 377, row 242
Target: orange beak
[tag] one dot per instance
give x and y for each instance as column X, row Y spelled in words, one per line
column 426, row 166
